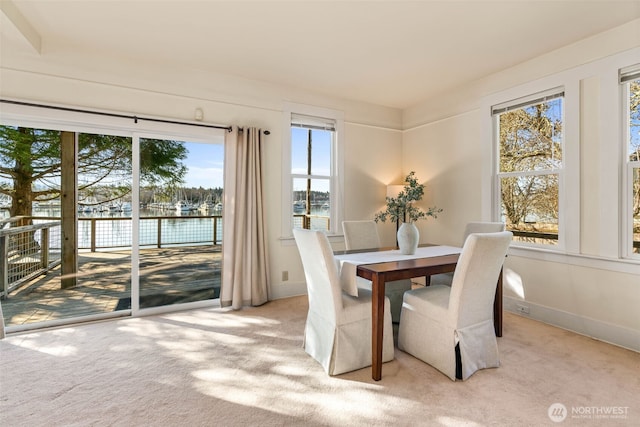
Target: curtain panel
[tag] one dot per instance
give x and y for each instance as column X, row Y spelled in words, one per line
column 245, row 272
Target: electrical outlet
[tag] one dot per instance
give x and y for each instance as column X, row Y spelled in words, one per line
column 285, row 276
column 522, row 308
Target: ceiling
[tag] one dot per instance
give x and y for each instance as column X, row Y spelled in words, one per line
column 390, row 53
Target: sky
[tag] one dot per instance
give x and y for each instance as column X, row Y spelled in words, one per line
column 205, row 165
column 321, row 157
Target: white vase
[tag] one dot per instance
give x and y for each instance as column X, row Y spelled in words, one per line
column 408, row 237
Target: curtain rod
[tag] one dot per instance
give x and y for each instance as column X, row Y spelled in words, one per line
column 122, row 116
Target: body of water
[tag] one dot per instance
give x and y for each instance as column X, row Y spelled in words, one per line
column 113, row 229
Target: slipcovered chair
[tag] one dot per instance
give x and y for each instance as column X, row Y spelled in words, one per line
column 338, row 329
column 471, row 227
column 482, row 227
column 451, row 328
column 364, row 235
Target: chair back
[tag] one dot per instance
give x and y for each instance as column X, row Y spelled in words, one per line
column 474, row 281
column 482, row 227
column 360, row 235
column 321, row 273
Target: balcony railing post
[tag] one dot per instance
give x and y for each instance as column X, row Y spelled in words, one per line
column 159, row 233
column 44, row 247
column 93, row 234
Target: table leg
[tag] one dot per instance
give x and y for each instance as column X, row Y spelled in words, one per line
column 377, row 323
column 497, row 307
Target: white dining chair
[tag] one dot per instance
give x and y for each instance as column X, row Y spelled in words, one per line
column 471, row 227
column 364, row 235
column 451, row 328
column 360, row 235
column 481, row 227
column 338, row 328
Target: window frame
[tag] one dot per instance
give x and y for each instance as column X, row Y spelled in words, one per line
column 337, row 167
column 569, row 176
column 516, row 104
column 627, row 165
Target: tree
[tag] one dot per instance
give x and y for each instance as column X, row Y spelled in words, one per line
column 30, row 167
column 530, row 142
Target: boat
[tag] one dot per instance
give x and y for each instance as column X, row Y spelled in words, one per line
column 299, row 206
column 206, row 207
column 182, row 206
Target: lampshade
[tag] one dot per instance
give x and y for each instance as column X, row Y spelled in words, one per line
column 394, row 190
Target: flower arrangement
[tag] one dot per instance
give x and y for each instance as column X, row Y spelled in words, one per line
column 401, row 208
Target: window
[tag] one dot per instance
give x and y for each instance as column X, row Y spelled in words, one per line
column 313, row 159
column 311, row 143
column 630, row 81
column 529, row 139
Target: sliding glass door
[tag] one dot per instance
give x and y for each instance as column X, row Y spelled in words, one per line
column 102, row 224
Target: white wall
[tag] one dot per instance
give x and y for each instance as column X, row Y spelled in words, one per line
column 446, row 157
column 587, row 287
column 373, row 160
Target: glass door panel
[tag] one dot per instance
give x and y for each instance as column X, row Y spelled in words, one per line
column 180, row 224
column 54, row 279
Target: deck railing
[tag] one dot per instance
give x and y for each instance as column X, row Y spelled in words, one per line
column 311, row 222
column 99, row 233
column 539, row 237
column 26, row 251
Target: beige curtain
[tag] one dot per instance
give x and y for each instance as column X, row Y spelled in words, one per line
column 245, row 268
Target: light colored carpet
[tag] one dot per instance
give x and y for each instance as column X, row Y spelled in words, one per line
column 212, row 367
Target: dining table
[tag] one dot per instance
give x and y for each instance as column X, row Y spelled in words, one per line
column 381, row 265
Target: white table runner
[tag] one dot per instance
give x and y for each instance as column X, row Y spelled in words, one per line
column 347, row 263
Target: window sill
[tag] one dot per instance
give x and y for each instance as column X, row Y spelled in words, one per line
column 629, row 266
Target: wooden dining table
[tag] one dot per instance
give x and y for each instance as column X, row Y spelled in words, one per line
column 381, row 272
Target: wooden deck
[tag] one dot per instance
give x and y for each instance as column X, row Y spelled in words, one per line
column 167, row 276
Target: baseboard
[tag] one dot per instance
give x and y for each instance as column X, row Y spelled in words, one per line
column 596, row 329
